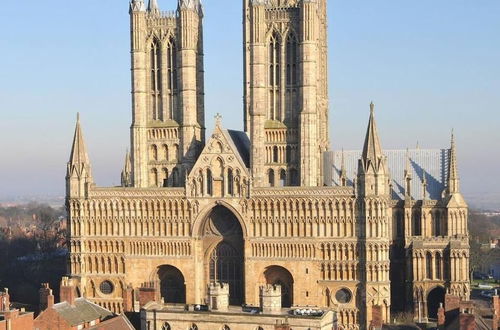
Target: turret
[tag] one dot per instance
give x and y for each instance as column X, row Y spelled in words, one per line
column 78, row 174
column 137, row 5
column 343, row 172
column 372, row 168
column 126, row 177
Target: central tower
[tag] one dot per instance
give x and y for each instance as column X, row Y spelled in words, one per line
column 286, row 90
column 167, row 132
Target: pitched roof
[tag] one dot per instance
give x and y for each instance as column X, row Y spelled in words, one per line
column 82, row 312
column 241, row 143
column 120, row 322
column 429, row 163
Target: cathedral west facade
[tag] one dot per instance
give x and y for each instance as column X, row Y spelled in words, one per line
column 270, row 204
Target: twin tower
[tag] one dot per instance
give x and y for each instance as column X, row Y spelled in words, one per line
column 285, row 92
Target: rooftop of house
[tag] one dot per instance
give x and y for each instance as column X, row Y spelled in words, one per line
column 82, row 311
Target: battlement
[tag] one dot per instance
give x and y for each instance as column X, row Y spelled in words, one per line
column 270, row 298
column 270, row 290
column 218, row 288
column 218, row 296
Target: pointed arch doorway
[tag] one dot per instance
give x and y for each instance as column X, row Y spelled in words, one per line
column 224, row 246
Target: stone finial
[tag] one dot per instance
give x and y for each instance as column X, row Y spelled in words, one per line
column 218, row 119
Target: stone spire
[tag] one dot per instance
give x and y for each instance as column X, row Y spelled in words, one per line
column 79, row 155
column 453, row 179
column 153, row 6
column 78, row 170
column 127, row 171
column 372, row 151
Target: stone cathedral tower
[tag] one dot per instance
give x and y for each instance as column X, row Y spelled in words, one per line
column 286, row 98
column 167, row 132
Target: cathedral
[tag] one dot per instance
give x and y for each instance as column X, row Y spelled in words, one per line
column 267, row 217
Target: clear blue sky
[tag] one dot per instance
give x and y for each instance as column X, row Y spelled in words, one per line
column 428, row 66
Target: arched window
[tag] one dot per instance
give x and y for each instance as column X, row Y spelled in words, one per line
column 274, row 76
column 428, row 259
column 172, row 77
column 288, row 154
column 294, row 177
column 437, row 224
column 153, row 177
column 417, row 224
column 271, row 178
column 165, row 177
column 282, row 178
column 153, row 151
column 175, row 152
column 193, row 327
column 230, row 182
column 165, row 152
column 399, row 224
column 209, row 182
column 166, row 326
column 275, row 154
column 226, row 327
column 292, row 74
column 439, row 272
column 155, row 65
column 175, row 177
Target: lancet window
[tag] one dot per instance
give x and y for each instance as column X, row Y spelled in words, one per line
column 156, row 85
column 274, row 77
column 172, row 78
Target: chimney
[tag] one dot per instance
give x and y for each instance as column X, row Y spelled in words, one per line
column 128, row 299
column 495, row 304
column 67, row 291
column 441, row 315
column 270, row 299
column 46, row 297
column 218, row 296
column 4, row 301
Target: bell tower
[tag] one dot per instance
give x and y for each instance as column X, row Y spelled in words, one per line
column 168, row 125
column 285, row 90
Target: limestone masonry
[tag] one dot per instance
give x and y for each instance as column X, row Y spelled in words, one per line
column 245, row 217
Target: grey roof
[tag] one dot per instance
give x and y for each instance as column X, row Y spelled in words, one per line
column 83, row 311
column 433, row 163
column 242, row 143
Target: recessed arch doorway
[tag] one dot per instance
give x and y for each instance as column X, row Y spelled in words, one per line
column 172, row 284
column 434, row 299
column 224, row 246
column 277, row 275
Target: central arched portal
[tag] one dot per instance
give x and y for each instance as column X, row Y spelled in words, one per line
column 223, row 241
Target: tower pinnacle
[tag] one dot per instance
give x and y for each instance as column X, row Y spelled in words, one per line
column 153, row 6
column 78, row 173
column 453, row 179
column 372, row 151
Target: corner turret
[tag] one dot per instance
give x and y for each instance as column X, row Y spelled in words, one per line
column 372, row 168
column 79, row 173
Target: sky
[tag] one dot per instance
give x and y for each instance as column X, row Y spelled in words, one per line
column 429, row 66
